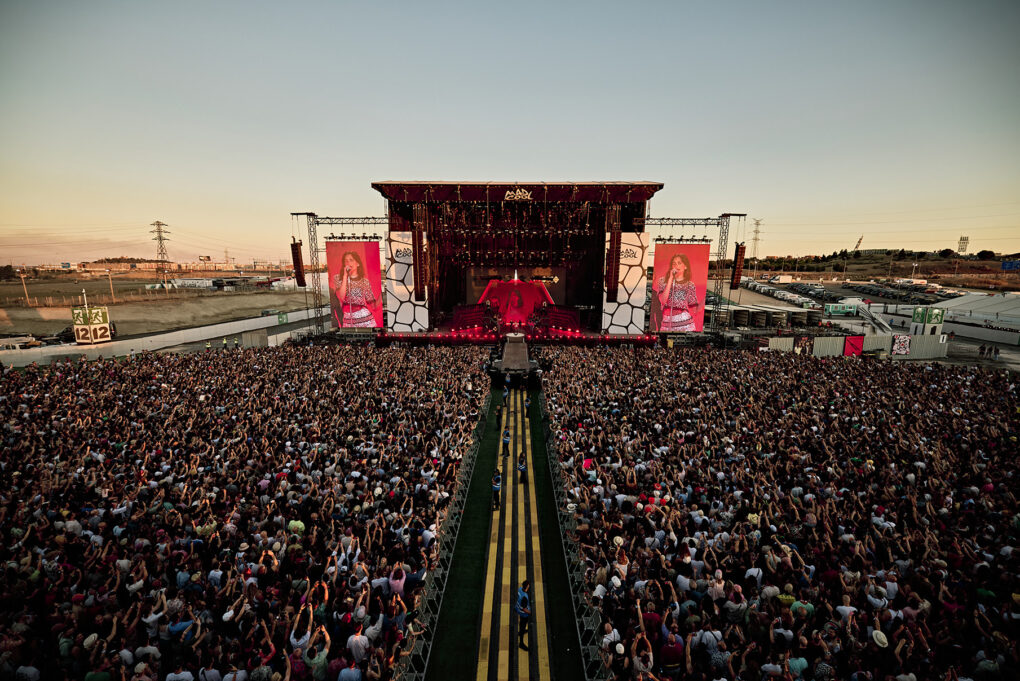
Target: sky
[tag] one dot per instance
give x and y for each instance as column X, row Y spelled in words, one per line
column 895, row 121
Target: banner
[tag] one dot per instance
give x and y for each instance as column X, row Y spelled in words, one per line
column 355, row 283
column 901, row 345
column 679, row 286
column 404, row 314
column 854, row 346
column 626, row 313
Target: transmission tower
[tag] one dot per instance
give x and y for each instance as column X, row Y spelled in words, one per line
column 961, row 248
column 754, row 246
column 161, row 256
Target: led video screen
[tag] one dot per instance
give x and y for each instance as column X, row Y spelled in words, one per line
column 679, row 284
column 355, row 283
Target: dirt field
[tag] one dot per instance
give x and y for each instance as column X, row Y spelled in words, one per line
column 184, row 309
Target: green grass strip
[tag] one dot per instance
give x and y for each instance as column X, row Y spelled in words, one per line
column 455, row 645
column 564, row 648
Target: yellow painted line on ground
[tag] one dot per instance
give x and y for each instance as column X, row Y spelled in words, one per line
column 538, row 631
column 485, row 640
column 523, row 659
column 503, row 661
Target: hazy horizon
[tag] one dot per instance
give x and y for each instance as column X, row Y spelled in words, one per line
column 895, row 122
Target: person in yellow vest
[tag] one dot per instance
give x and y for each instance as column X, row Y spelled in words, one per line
column 208, row 346
column 235, row 343
column 224, row 342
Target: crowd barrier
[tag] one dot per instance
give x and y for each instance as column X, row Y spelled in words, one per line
column 414, row 666
column 588, row 619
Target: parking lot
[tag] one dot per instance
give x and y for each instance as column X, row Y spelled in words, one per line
column 902, row 292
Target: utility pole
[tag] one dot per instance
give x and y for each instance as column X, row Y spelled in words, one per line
column 161, row 255
column 21, row 273
column 110, row 278
column 754, row 246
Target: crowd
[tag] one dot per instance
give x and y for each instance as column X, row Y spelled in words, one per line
column 242, row 515
column 770, row 516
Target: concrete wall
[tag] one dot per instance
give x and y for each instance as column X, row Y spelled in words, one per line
column 51, row 353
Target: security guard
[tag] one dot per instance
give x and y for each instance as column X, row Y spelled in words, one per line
column 224, row 342
column 235, row 343
column 208, row 346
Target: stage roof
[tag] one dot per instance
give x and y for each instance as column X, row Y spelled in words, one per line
column 595, row 192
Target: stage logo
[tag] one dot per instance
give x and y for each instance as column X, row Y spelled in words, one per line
column 517, row 195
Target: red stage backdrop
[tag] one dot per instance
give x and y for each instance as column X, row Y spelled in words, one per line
column 515, row 299
column 679, row 284
column 355, row 283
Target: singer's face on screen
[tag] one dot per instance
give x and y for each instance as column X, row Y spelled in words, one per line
column 677, row 267
column 351, row 265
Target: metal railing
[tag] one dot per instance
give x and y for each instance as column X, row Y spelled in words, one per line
column 414, row 666
column 588, row 619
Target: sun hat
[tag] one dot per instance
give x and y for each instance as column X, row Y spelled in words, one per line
column 881, row 640
column 90, row 641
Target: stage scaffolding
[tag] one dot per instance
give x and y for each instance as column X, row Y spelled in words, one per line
column 313, row 222
column 720, row 304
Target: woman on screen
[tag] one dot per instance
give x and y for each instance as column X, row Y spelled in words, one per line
column 354, row 293
column 677, row 296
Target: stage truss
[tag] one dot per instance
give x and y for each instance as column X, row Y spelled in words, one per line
column 313, row 223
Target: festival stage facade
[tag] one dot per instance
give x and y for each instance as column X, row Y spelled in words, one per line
column 548, row 260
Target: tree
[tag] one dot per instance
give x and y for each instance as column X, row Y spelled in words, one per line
column 7, row 273
column 986, row 255
column 947, row 253
column 901, row 255
column 857, row 254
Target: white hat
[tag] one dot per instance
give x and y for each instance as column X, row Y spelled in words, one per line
column 616, row 581
column 618, row 540
column 90, row 641
column 619, row 649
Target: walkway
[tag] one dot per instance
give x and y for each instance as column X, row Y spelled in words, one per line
column 514, row 554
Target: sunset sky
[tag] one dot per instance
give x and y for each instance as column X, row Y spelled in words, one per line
column 897, row 121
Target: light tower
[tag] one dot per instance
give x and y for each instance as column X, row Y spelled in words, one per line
column 161, row 256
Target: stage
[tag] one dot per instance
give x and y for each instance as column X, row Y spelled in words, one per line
column 553, row 337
